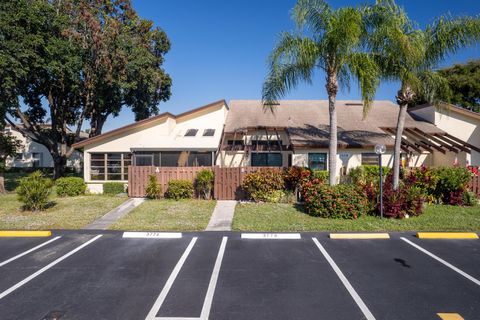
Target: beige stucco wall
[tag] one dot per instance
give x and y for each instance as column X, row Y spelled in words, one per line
column 462, row 126
column 29, row 147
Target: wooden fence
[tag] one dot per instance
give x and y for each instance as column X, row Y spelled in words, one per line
column 138, row 177
column 227, row 186
column 474, row 185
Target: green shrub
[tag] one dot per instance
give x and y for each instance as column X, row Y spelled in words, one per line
column 470, row 199
column 262, row 185
column 339, row 201
column 153, row 189
column 179, row 189
column 33, row 191
column 424, row 178
column 452, row 182
column 321, row 175
column 204, row 183
column 70, row 186
column 367, row 174
column 113, row 188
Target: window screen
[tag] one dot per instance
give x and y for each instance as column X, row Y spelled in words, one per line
column 317, row 161
column 145, row 160
column 109, row 166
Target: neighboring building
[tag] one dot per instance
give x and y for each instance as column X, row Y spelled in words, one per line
column 460, row 123
column 35, row 155
column 166, row 140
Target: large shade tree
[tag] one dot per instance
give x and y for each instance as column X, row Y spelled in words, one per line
column 330, row 41
column 464, row 82
column 410, row 55
column 63, row 63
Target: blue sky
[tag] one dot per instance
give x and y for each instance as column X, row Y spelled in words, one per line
column 220, row 48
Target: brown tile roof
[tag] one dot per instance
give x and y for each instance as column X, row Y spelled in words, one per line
column 145, row 122
column 307, row 121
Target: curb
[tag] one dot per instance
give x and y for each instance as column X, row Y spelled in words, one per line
column 15, row 233
column 359, row 236
column 447, row 235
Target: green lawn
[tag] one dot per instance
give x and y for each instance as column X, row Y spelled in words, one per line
column 286, row 217
column 66, row 213
column 168, row 215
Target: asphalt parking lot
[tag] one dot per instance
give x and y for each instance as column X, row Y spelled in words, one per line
column 103, row 275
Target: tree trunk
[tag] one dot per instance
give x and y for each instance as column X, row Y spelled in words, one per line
column 404, row 96
column 2, row 182
column 96, row 124
column 398, row 142
column 332, row 89
column 59, row 163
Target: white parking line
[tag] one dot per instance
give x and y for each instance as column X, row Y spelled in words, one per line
column 275, row 236
column 366, row 312
column 168, row 285
column 28, row 251
column 39, row 272
column 466, row 275
column 155, row 235
column 207, row 304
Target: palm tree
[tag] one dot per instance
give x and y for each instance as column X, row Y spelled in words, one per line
column 328, row 40
column 409, row 54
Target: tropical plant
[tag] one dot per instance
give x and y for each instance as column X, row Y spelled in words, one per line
column 179, row 189
column 330, row 40
column 70, row 186
column 204, row 183
column 153, row 190
column 113, row 188
column 34, row 191
column 409, row 54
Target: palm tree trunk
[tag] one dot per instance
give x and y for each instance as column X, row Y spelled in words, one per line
column 398, row 143
column 332, row 89
column 404, row 96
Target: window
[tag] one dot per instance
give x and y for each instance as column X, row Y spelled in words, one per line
column 144, row 160
column 317, row 161
column 208, row 132
column 37, row 159
column 235, row 145
column 191, row 133
column 266, row 160
column 369, row 159
column 109, row 166
column 186, row 159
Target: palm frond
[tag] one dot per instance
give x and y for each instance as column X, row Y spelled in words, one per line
column 312, row 14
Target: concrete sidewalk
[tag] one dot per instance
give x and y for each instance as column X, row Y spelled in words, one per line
column 111, row 217
column 222, row 216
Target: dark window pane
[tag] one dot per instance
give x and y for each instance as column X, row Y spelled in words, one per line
column 259, row 160
column 274, row 159
column 208, row 132
column 114, row 177
column 97, row 156
column 191, row 133
column 317, row 161
column 97, row 176
column 369, row 159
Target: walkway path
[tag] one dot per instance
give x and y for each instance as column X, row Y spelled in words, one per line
column 111, row 217
column 222, row 216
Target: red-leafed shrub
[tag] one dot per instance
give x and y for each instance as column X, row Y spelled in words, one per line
column 408, row 199
column 340, row 201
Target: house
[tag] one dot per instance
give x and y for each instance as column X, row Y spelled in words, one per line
column 297, row 133
column 165, row 140
column 462, row 125
column 244, row 134
column 35, row 155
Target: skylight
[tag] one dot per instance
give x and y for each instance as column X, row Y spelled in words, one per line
column 208, row 132
column 191, row 133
